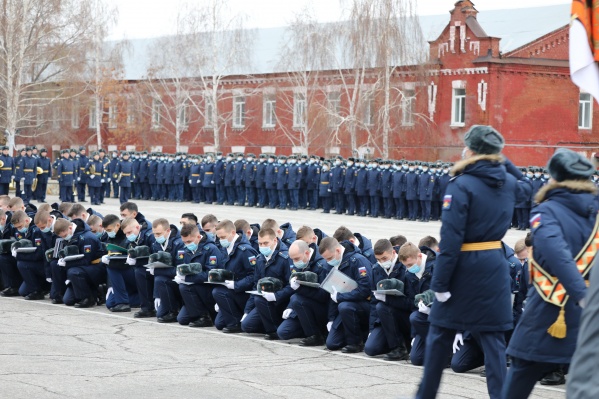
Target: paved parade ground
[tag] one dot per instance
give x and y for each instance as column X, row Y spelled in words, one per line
column 54, row 351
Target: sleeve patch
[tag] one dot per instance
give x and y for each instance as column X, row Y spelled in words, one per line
column 362, row 271
column 87, row 249
column 180, row 254
column 252, row 260
column 212, row 260
column 447, row 202
column 535, row 221
column 38, row 242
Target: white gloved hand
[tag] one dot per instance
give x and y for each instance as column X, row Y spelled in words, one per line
column 287, row 313
column 199, row 181
column 179, row 279
column 151, row 270
column 67, row 282
column 156, row 303
column 78, row 179
column 49, row 279
column 105, row 259
column 442, row 296
column 334, row 295
column 212, row 182
column 12, row 177
column 244, row 316
column 189, row 181
column 131, row 261
column 294, row 284
column 109, row 179
column 108, row 292
column 457, row 340
column 216, row 308
column 102, row 181
column 422, row 308
column 92, row 176
column 13, row 252
column 62, row 262
column 230, row 284
column 329, row 326
column 380, row 297
column 269, row 296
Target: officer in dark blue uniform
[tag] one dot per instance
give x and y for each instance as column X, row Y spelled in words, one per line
column 564, row 237
column 303, row 192
column 152, row 179
column 308, row 307
column 105, row 191
column 169, row 188
column 194, row 180
column 337, row 180
column 123, row 175
column 144, row 170
column 208, row 183
column 179, row 172
column 65, row 172
column 134, row 175
column 374, row 187
column 43, row 162
column 411, row 181
column 219, row 178
column 270, row 181
column 81, row 176
column 229, row 182
column 161, row 178
column 396, row 186
column 294, row 178
column 387, row 189
column 324, row 192
column 260, row 181
column 477, row 211
column 239, row 180
column 19, row 173
column 441, row 182
column 362, row 188
column 349, row 186
column 348, row 311
column 7, row 170
column 29, row 265
column 249, row 179
column 282, row 174
column 313, row 182
column 95, row 174
column 111, row 169
column 28, row 166
column 426, row 184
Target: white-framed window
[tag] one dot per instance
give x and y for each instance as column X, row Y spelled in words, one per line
column 269, row 117
column 299, row 110
column 208, row 113
column 93, row 116
column 112, row 114
column 334, row 104
column 458, row 106
column 131, row 112
column 368, row 110
column 183, row 115
column 239, row 112
column 156, row 108
column 407, row 107
column 585, row 111
column 75, row 114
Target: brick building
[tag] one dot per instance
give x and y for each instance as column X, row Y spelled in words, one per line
column 515, row 78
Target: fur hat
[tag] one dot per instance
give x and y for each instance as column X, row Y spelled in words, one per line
column 49, row 254
column 162, row 257
column 21, row 244
column 568, row 165
column 390, row 284
column 219, row 275
column 427, row 297
column 269, row 284
column 187, row 269
column 5, row 245
column 139, row 252
column 69, row 250
column 308, row 277
column 484, row 140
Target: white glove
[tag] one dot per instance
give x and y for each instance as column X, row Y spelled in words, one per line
column 294, row 284
column 108, row 292
column 329, row 190
column 151, row 270
column 189, row 181
column 329, row 326
column 442, row 296
column 422, row 308
column 105, row 259
column 380, row 297
column 179, row 279
column 230, row 284
column 287, row 313
column 269, row 296
column 212, row 182
column 13, row 252
column 199, row 181
column 12, row 177
column 109, row 179
column 334, row 295
column 78, row 179
column 458, row 339
column 49, row 279
column 90, row 176
column 67, row 282
column 131, row 261
column 62, row 262
column 156, row 303
column 102, row 181
column 22, row 179
column 216, row 308
column 244, row 316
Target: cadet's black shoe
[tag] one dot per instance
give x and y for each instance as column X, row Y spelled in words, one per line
column 271, row 336
column 57, row 301
column 86, row 303
column 10, row 292
column 397, row 354
column 121, row 307
column 203, row 321
column 236, row 328
column 352, row 349
column 555, row 378
column 142, row 314
column 483, row 373
column 170, row 317
column 35, row 296
column 313, row 340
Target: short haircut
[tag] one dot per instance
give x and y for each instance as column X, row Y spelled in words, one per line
column 130, row 206
column 190, row 216
column 189, row 230
column 270, row 224
column 94, row 220
column 61, row 225
column 408, row 250
column 304, row 231
column 160, row 222
column 226, row 225
column 209, row 218
column 301, row 245
column 128, row 222
column 343, row 234
column 109, row 220
column 41, row 217
column 528, row 239
column 15, row 202
column 44, row 207
column 64, row 207
column 76, row 210
column 18, row 217
column 328, row 244
column 267, row 233
column 398, row 240
column 4, row 200
column 241, row 225
column 520, row 245
column 428, row 241
column 382, row 246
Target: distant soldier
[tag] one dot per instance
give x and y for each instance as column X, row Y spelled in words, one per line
column 123, row 175
column 43, row 162
column 7, row 171
column 65, row 172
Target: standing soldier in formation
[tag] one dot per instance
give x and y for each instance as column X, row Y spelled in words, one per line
column 111, row 169
column 260, row 182
column 336, row 186
column 65, row 171
column 208, row 183
column 95, row 173
column 219, row 178
column 349, row 186
column 19, row 178
column 270, row 182
column 43, row 162
column 123, row 175
column 29, row 168
column 7, row 171
column 426, row 184
column 293, row 182
column 282, row 173
column 81, row 176
column 249, row 178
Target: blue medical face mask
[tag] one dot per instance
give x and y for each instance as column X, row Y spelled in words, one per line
column 111, row 234
column 266, row 251
column 334, row 262
column 99, row 234
column 225, row 243
column 211, row 236
column 23, row 230
column 192, row 246
column 161, row 239
column 132, row 237
column 68, row 238
column 47, row 229
column 414, row 269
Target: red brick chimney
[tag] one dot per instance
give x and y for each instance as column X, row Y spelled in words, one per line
column 466, row 7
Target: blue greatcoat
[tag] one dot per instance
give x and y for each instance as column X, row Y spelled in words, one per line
column 561, row 225
column 477, row 207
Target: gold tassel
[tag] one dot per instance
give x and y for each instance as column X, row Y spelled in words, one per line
column 558, row 329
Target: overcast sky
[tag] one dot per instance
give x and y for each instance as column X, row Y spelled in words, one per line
column 149, row 18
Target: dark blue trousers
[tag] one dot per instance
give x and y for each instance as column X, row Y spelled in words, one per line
column 283, row 199
column 10, row 273
column 33, row 275
column 522, row 377
column 420, row 327
column 395, row 324
column 145, row 287
column 265, row 317
column 168, row 292
column 350, row 327
column 351, row 203
column 376, row 344
column 125, row 194
column 124, row 288
column 231, row 305
column 59, row 276
column 198, row 302
column 291, row 328
column 85, row 280
column 311, row 314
